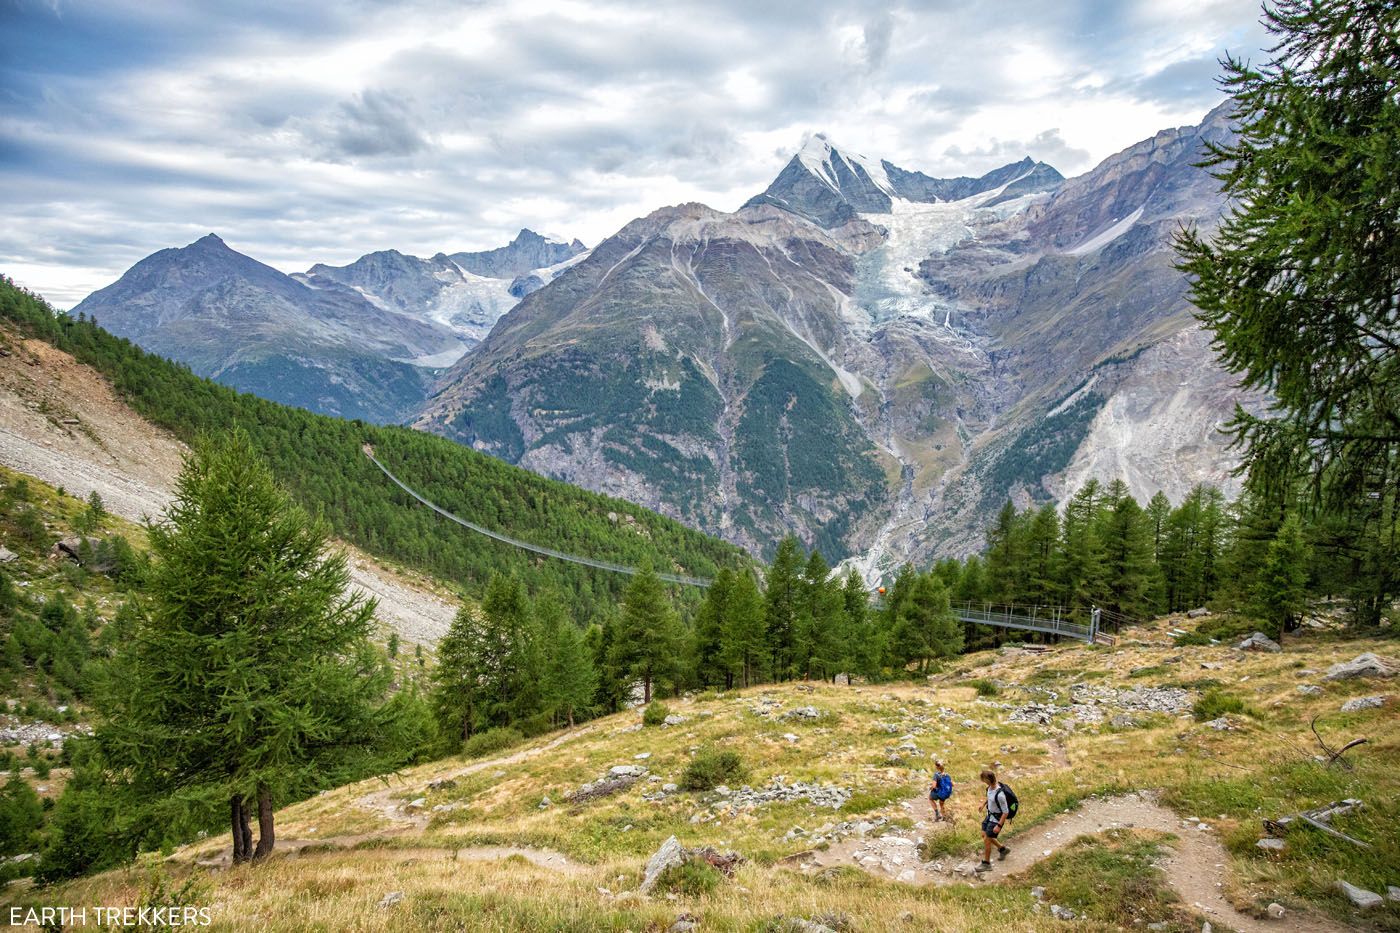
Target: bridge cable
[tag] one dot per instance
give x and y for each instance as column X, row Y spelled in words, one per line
column 525, row 545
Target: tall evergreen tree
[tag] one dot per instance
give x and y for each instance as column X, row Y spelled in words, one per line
column 1281, row 592
column 745, row 653
column 781, row 606
column 1298, row 283
column 649, row 637
column 710, row 623
column 248, row 675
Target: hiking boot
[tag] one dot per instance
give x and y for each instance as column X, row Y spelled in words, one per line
column 983, row 866
column 1002, row 853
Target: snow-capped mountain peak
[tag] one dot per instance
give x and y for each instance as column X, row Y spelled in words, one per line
column 824, row 159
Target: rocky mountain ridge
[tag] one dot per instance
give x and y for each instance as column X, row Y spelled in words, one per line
column 868, row 356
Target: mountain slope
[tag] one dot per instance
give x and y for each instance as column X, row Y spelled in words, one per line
column 683, row 365
column 870, row 357
column 319, row 460
column 466, row 292
column 249, row 326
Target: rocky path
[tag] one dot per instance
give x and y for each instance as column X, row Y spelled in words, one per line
column 1195, row 866
column 384, row 803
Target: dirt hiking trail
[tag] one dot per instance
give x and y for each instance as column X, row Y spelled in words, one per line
column 1195, row 866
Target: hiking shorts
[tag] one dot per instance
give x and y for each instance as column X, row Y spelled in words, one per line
column 989, row 827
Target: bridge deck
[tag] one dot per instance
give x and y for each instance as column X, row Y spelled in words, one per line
column 1049, row 621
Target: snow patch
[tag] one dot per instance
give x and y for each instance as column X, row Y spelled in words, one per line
column 1105, row 237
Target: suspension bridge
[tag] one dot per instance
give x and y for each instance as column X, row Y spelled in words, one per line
column 1047, row 620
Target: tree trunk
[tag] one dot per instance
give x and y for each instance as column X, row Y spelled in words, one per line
column 571, row 717
column 242, row 833
column 646, row 689
column 266, row 836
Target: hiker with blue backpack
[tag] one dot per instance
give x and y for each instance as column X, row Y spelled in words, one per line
column 1000, row 807
column 939, row 792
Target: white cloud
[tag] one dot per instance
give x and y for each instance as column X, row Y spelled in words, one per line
column 310, row 132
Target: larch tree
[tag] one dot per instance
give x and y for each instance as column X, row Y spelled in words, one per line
column 649, row 637
column 248, row 674
column 1300, row 283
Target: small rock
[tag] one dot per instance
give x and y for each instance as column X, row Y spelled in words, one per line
column 1220, row 725
column 442, row 784
column 669, row 788
column 1038, row 893
column 545, row 803
column 1061, row 913
column 790, row 737
column 1259, row 642
column 1309, row 690
column 390, row 899
column 674, row 720
column 7, row 555
column 643, row 756
column 684, row 925
column 1392, row 893
column 1359, row 897
column 907, row 917
column 1275, row 911
column 1360, row 703
column 1270, row 845
column 416, row 804
column 1200, row 613
column 1159, row 925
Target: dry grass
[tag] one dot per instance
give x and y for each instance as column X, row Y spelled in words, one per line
column 1233, row 778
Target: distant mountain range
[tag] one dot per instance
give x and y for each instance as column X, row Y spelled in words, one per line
column 863, row 354
column 360, row 341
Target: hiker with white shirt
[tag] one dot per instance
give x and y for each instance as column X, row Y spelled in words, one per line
column 1000, row 806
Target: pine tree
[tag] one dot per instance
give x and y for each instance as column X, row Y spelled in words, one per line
column 1130, row 568
column 248, row 674
column 1281, row 593
column 648, row 637
column 1298, row 282
column 1006, row 557
column 1082, row 556
column 745, row 653
column 863, row 650
column 710, row 621
column 568, row 681
column 781, row 605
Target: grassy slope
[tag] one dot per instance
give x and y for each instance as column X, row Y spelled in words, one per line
column 1231, row 779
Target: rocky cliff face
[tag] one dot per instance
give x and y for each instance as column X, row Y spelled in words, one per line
column 526, row 253
column 870, row 357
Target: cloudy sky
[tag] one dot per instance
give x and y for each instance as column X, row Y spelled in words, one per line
column 305, row 131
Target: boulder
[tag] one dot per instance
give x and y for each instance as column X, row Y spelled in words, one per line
column 1359, row 897
column 84, row 552
column 7, row 555
column 1392, row 893
column 670, row 855
column 1360, row 703
column 1275, row 911
column 1363, row 665
column 1200, row 613
column 1259, row 642
column 1270, row 844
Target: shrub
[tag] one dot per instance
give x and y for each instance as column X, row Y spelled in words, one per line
column 690, row 878
column 1215, row 703
column 492, row 740
column 984, row 687
column 1192, row 639
column 710, row 768
column 655, row 714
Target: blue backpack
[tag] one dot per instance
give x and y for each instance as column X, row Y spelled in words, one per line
column 943, row 787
